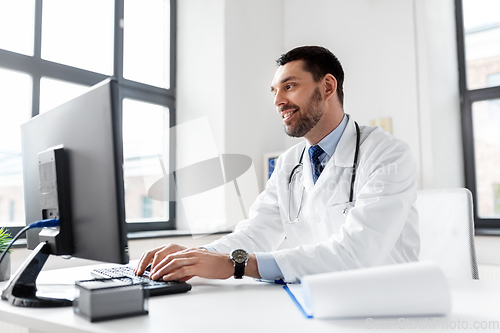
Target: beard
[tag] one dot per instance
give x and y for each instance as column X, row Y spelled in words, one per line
column 305, row 121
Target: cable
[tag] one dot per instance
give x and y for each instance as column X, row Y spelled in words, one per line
column 38, row 224
column 44, row 223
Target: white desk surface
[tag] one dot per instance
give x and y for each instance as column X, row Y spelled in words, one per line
column 240, row 306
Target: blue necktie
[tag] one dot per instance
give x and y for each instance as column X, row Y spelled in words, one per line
column 314, row 153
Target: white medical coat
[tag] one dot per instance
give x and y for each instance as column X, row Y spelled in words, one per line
column 381, row 227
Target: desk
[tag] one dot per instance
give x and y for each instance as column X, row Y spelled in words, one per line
column 242, row 306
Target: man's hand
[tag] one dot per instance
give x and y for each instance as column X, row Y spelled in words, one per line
column 175, row 262
column 185, row 264
column 154, row 256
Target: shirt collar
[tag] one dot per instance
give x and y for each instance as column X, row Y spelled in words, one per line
column 329, row 143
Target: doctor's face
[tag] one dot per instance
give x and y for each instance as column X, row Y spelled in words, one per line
column 297, row 98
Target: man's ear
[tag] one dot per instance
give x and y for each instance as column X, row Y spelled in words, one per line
column 330, row 86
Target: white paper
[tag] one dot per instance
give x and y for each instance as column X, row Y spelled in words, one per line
column 413, row 289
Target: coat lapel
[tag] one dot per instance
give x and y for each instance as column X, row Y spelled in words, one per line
column 307, row 178
column 343, row 157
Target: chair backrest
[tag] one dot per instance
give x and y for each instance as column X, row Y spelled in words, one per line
column 446, row 226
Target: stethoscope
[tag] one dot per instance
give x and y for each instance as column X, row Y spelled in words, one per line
column 293, row 175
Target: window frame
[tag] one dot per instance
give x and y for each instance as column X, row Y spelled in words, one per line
column 484, row 226
column 37, row 68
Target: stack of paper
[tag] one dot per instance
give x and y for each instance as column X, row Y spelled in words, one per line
column 413, row 289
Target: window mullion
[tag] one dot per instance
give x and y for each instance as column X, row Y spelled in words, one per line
column 35, row 99
column 37, row 55
column 118, row 41
column 483, row 94
column 67, row 73
column 173, row 44
column 37, row 51
column 462, row 67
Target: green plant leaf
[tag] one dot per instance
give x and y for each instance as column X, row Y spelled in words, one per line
column 5, row 239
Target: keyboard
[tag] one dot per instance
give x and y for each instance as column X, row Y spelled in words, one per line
column 155, row 288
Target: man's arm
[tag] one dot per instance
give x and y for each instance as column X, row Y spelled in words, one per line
column 262, row 232
column 175, row 262
column 382, row 227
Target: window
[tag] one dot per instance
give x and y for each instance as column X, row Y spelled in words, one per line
column 15, row 109
column 496, row 203
column 53, row 50
column 12, row 211
column 147, row 59
column 85, row 40
column 145, row 148
column 478, row 40
column 18, row 16
column 147, row 207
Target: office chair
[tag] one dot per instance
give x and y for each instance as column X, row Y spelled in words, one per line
column 447, row 231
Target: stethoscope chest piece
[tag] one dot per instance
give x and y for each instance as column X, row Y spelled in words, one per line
column 347, row 208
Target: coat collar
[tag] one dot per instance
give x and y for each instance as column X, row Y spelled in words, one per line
column 344, row 155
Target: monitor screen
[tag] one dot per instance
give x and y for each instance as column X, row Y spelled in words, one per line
column 89, row 128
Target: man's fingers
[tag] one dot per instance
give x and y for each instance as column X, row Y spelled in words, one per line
column 158, row 257
column 155, row 256
column 175, row 262
column 164, row 257
column 143, row 262
column 163, row 252
column 172, row 264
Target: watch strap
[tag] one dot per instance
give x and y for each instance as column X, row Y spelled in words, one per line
column 239, row 270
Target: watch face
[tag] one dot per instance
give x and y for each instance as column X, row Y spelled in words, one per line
column 239, row 256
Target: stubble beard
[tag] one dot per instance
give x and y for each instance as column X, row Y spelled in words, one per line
column 307, row 120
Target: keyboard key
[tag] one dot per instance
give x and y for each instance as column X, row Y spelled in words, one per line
column 155, row 288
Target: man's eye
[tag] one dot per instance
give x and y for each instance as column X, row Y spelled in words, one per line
column 289, row 86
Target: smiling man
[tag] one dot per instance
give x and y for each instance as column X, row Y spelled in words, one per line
column 344, row 198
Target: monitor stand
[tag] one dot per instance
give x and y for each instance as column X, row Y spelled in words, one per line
column 22, row 288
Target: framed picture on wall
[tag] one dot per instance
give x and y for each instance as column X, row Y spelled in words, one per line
column 269, row 163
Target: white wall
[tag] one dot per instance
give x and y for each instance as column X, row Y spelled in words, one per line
column 201, row 64
column 254, row 40
column 200, row 76
column 439, row 98
column 399, row 57
column 226, row 52
column 374, row 41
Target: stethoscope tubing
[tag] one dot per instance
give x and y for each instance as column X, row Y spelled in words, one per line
column 300, row 165
column 355, row 164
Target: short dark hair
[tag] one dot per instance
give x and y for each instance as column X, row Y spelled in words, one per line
column 319, row 61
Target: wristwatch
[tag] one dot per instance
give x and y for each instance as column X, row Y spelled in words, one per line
column 239, row 258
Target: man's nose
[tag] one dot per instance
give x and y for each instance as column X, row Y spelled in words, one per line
column 279, row 98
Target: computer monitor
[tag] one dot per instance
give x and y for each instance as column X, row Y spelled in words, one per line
column 85, row 136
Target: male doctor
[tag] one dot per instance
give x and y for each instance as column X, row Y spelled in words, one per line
column 344, row 198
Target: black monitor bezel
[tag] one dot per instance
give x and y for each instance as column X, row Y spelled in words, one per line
column 100, row 102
